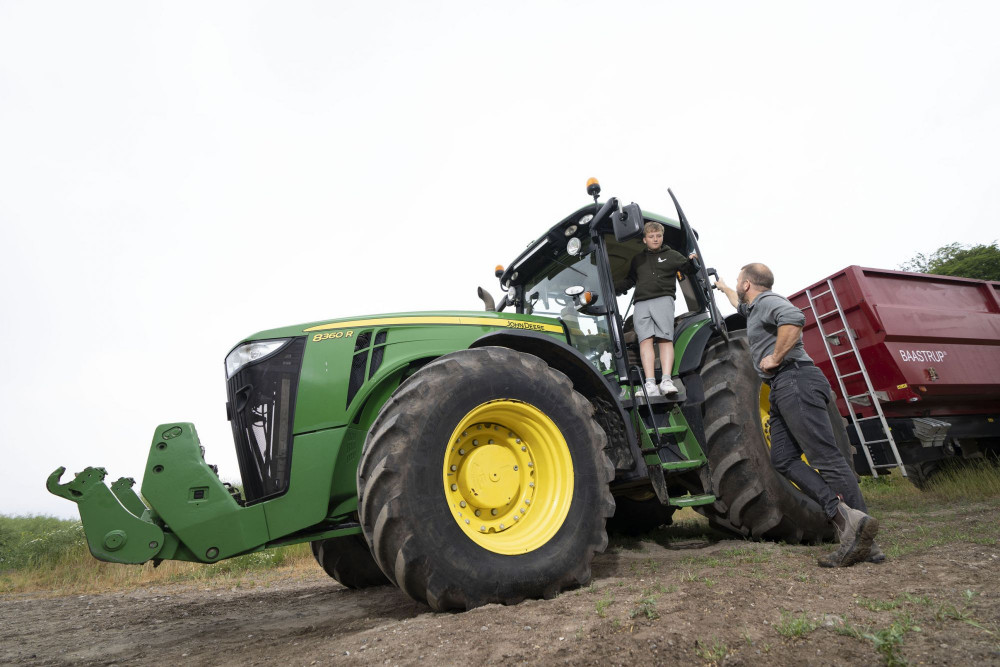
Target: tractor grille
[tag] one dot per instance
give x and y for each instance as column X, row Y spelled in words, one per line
column 262, row 406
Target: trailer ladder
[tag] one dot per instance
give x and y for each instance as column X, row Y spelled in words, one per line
column 863, row 372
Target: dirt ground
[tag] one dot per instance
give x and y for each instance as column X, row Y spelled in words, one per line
column 659, row 601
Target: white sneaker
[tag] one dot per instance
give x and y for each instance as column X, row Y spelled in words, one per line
column 667, row 386
column 652, row 389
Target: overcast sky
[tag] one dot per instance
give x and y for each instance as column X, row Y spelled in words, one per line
column 176, row 176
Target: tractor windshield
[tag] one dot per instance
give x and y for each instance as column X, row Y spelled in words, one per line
column 545, row 294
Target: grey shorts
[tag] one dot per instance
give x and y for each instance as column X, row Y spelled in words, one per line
column 655, row 318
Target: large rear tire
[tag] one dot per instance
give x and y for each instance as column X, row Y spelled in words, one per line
column 349, row 561
column 484, row 479
column 753, row 500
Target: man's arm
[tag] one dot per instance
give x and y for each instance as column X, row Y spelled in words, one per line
column 788, row 336
column 730, row 293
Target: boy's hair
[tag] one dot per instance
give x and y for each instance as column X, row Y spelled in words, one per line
column 652, row 227
column 759, row 275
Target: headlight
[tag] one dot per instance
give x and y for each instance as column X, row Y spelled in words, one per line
column 249, row 352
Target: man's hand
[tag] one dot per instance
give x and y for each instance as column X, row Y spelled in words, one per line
column 721, row 285
column 769, row 363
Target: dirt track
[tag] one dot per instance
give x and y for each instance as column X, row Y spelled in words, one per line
column 649, row 604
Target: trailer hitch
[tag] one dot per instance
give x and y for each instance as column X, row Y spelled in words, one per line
column 112, row 518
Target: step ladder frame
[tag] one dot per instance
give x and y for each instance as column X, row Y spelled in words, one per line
column 839, row 310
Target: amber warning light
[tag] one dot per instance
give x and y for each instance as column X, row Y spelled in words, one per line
column 498, row 271
column 593, row 188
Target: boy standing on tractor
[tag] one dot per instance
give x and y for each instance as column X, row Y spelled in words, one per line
column 653, row 272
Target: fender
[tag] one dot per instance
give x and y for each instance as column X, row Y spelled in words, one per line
column 694, row 346
column 585, row 378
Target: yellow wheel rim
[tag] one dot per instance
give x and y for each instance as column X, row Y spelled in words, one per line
column 764, row 403
column 508, row 477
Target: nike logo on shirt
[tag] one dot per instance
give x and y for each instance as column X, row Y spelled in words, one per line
column 661, row 259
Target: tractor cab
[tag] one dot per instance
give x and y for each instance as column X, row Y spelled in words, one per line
column 574, row 271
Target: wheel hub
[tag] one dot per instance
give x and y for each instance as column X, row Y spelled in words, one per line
column 492, row 481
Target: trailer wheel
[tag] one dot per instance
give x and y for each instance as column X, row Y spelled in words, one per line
column 484, row 479
column 752, row 498
column 348, row 560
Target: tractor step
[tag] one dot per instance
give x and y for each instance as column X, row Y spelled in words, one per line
column 682, row 465
column 668, row 430
column 692, row 501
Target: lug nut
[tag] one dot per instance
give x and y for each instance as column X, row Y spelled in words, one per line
column 454, row 468
column 466, row 521
column 482, row 528
column 515, row 468
column 516, row 517
column 510, row 434
column 518, row 441
column 530, row 464
column 461, row 504
column 523, row 448
column 477, row 512
column 465, row 433
column 461, row 452
column 522, row 512
column 479, row 427
column 493, row 512
column 454, row 487
column 531, row 484
column 491, row 442
column 501, row 526
column 527, row 501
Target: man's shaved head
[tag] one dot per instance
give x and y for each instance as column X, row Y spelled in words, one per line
column 759, row 275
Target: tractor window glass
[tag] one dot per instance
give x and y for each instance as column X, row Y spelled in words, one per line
column 546, row 295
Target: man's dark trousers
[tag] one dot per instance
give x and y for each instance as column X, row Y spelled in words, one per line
column 800, row 423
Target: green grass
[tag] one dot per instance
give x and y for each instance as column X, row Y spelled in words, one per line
column 795, row 626
column 45, row 553
column 713, row 653
column 888, row 642
column 645, row 607
column 972, row 482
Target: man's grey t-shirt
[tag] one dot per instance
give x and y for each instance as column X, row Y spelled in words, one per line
column 768, row 312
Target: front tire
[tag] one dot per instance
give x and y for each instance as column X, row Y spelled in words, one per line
column 484, row 480
column 753, row 499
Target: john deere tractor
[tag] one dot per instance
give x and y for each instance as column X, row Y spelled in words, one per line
column 470, row 457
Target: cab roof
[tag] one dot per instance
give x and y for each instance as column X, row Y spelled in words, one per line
column 552, row 242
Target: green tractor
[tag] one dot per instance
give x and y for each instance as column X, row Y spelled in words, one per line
column 470, row 457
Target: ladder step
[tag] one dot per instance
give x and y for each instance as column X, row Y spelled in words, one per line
column 667, row 430
column 886, row 465
column 834, row 333
column 840, row 354
column 875, row 442
column 849, row 374
column 690, row 501
column 819, row 317
column 861, row 419
column 681, row 465
column 816, row 296
column 864, row 395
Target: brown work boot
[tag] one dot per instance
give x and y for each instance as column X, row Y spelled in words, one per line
column 855, row 531
column 875, row 555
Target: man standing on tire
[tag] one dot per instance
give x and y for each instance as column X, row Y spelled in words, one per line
column 654, row 272
column 799, row 421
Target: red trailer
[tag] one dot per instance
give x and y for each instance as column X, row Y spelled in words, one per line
column 913, row 353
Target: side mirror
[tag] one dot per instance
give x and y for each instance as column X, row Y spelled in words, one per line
column 627, row 223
